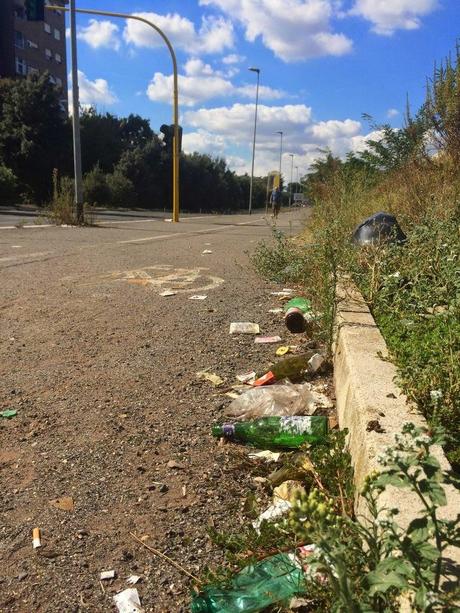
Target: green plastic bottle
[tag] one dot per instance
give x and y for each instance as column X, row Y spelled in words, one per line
column 273, row 580
column 284, row 432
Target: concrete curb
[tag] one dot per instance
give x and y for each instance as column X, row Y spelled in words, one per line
column 366, row 391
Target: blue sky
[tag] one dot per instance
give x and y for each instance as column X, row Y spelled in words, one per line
column 323, row 63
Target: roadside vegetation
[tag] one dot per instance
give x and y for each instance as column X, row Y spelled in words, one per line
column 412, row 289
column 124, row 161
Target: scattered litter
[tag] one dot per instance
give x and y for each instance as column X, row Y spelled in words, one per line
column 64, row 504
column 133, row 579
column 266, row 379
column 107, row 574
column 198, row 297
column 267, row 339
column 232, row 395
column 278, row 310
column 184, row 491
column 248, row 377
column 167, row 292
column 285, row 292
column 288, row 490
column 276, row 400
column 36, row 538
column 267, row 455
column 315, row 363
column 283, row 350
column 128, row 601
column 274, row 512
column 174, row 464
column 298, row 603
column 260, row 479
column 296, row 311
column 8, row 413
column 168, row 220
column 206, row 251
column 211, row 377
column 244, row 327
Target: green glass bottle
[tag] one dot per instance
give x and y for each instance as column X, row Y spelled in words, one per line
column 292, row 367
column 284, row 432
column 273, row 580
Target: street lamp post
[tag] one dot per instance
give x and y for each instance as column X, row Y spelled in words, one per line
column 280, row 132
column 291, row 155
column 79, row 211
column 256, row 70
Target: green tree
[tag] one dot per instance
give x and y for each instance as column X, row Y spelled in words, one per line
column 34, row 135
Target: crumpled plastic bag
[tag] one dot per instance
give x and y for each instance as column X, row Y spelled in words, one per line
column 283, row 400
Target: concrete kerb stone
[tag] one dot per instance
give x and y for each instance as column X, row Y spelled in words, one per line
column 366, row 392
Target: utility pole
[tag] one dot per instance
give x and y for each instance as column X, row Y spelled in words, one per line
column 290, row 185
column 76, row 119
column 257, row 70
column 280, row 132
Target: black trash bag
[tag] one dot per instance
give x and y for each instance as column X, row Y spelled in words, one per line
column 379, row 228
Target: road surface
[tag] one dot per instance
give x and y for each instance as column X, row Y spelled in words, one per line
column 101, row 369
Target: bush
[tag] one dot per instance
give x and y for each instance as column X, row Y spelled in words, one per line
column 8, row 185
column 122, row 192
column 95, row 188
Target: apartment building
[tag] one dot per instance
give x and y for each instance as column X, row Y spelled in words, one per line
column 33, row 47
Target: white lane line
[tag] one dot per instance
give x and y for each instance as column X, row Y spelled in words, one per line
column 23, row 256
column 100, row 222
column 192, row 233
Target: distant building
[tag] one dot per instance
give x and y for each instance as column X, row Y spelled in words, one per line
column 33, row 47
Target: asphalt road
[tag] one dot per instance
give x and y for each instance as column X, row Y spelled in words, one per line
column 102, row 371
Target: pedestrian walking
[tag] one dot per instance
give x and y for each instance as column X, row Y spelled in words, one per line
column 276, row 202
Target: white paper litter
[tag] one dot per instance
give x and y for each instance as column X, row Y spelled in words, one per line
column 198, row 297
column 268, row 456
column 279, row 310
column 244, row 327
column 133, row 579
column 267, row 339
column 206, row 251
column 275, row 511
column 167, row 292
column 248, row 377
column 128, row 601
column 284, row 292
column 315, row 362
column 107, row 574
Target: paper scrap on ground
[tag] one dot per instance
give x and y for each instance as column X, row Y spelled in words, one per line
column 107, row 574
column 198, row 297
column 168, row 220
column 65, row 503
column 267, row 339
column 133, row 579
column 268, row 456
column 274, row 512
column 244, row 327
column 284, row 292
column 167, row 292
column 315, row 362
column 232, row 395
column 128, row 601
column 211, row 377
column 206, row 251
column 283, row 350
column 248, row 377
column 278, row 310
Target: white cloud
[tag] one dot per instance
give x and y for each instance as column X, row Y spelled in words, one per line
column 214, row 35
column 201, row 82
column 100, row 34
column 233, row 58
column 392, row 113
column 387, row 16
column 227, row 131
column 95, row 92
column 292, row 29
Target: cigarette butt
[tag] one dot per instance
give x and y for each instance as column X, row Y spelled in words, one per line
column 36, row 536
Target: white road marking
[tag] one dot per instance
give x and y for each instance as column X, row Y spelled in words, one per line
column 192, row 233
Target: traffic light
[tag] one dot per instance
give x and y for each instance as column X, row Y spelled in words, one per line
column 35, row 10
column 168, row 132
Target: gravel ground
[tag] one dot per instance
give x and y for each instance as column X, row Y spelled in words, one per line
column 102, row 371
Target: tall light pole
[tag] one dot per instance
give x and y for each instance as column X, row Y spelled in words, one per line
column 256, row 70
column 280, row 132
column 79, row 212
column 291, row 155
column 297, row 179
